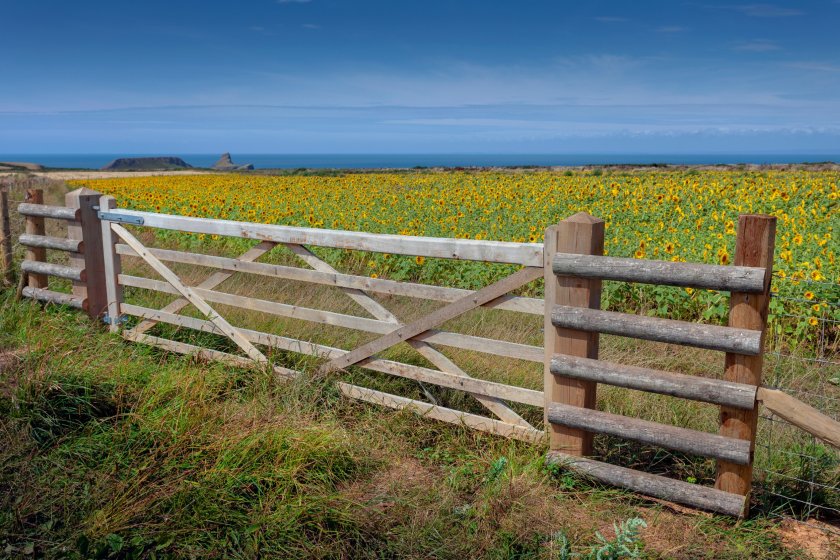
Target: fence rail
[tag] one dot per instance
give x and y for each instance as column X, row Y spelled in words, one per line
column 525, row 254
column 99, row 236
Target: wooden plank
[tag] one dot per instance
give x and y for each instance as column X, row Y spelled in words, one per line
column 6, row 238
column 365, row 301
column 334, row 278
column 654, row 433
column 580, row 233
column 50, row 269
column 801, row 415
column 443, row 414
column 40, row 210
column 407, row 371
column 211, row 282
column 484, row 345
column 435, row 318
column 48, row 242
column 444, row 338
column 376, row 309
column 266, row 306
column 202, row 353
column 711, row 337
column 478, row 387
column 111, row 267
column 257, row 337
column 526, row 254
column 362, row 299
column 35, row 226
column 190, row 295
column 754, row 246
column 653, row 485
column 715, row 391
column 666, row 273
column 92, row 260
column 59, row 298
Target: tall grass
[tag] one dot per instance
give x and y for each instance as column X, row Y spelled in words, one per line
column 116, row 450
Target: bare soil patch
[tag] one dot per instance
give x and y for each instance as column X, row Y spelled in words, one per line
column 817, row 539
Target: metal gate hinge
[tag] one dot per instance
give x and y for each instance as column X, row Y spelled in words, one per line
column 118, row 321
column 119, row 218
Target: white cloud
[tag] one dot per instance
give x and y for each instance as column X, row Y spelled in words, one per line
column 610, row 19
column 766, row 10
column 816, row 66
column 758, row 45
column 671, row 29
column 311, row 26
column 293, row 1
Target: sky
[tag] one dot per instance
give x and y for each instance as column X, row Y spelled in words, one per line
column 333, row 76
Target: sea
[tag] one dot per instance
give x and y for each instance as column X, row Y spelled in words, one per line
column 386, row 161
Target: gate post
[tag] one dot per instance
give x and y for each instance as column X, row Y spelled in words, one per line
column 90, row 259
column 112, row 267
column 35, row 226
column 584, row 235
column 753, row 247
column 6, row 238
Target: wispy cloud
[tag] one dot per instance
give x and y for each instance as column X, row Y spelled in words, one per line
column 816, row 66
column 610, row 19
column 293, row 1
column 766, row 10
column 311, row 26
column 758, row 46
column 671, row 29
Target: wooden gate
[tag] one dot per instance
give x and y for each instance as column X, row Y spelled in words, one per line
column 572, row 265
column 421, row 334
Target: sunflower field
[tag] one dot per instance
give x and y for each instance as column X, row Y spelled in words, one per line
column 686, row 215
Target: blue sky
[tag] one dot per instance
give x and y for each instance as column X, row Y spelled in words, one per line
column 322, row 76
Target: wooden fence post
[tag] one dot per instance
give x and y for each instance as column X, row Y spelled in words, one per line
column 6, row 237
column 753, row 247
column 90, row 259
column 580, row 234
column 35, row 226
column 111, row 266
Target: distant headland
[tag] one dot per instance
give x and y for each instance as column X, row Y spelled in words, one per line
column 164, row 163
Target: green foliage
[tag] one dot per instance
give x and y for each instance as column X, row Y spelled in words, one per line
column 627, row 535
column 497, row 469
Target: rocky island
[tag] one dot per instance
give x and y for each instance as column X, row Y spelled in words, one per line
column 147, row 164
column 225, row 163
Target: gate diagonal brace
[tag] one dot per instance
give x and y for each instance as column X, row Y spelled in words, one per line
column 209, row 283
column 190, row 295
column 434, row 319
column 494, row 405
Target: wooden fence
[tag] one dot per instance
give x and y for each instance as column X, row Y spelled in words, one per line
column 571, row 263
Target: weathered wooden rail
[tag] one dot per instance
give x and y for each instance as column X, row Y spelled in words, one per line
column 85, row 260
column 572, row 266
